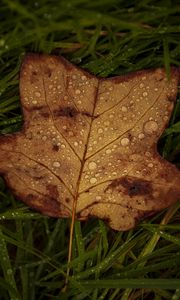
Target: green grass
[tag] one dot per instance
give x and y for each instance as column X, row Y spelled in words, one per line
column 107, row 37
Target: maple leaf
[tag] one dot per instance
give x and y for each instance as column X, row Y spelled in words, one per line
column 88, row 144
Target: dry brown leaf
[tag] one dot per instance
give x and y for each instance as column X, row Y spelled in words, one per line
column 90, row 143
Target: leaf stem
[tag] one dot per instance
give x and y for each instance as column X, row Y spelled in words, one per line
column 76, row 197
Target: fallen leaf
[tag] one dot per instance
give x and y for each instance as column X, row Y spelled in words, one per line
column 90, row 143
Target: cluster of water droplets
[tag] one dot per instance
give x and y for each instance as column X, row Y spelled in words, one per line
column 146, row 114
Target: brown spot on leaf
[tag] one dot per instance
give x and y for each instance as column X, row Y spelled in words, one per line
column 34, row 77
column 67, row 200
column 69, row 67
column 45, row 114
column 29, row 197
column 37, row 107
column 38, row 177
column 55, row 148
column 47, row 71
column 170, row 98
column 131, row 186
column 51, row 205
column 69, row 112
column 52, row 191
column 42, row 109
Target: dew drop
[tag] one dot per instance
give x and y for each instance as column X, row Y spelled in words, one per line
column 141, row 85
column 56, row 164
column 9, row 271
column 77, row 92
column 125, row 142
column 97, row 174
column 98, row 198
column 70, row 133
column 124, row 109
column 92, row 165
column 100, row 130
column 166, row 118
column 108, row 151
column 37, row 94
column 34, row 102
column 93, row 180
column 106, row 123
column 150, row 165
column 150, row 127
column 145, row 94
column 159, row 74
column 141, row 136
column 148, row 154
column 75, row 144
column 44, row 138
